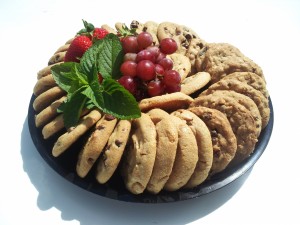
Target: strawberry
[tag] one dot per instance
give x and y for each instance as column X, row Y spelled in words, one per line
column 92, row 32
column 77, row 48
column 99, row 33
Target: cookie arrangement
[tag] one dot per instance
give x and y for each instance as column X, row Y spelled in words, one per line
column 186, row 132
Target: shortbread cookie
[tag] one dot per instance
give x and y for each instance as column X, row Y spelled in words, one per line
column 71, row 136
column 195, row 82
column 47, row 97
column 251, row 79
column 240, row 119
column 44, row 84
column 223, row 139
column 186, row 156
column 167, row 140
column 247, row 102
column 95, row 144
column 48, row 113
column 222, row 59
column 181, row 35
column 245, row 89
column 181, row 64
column 140, row 155
column 167, row 102
column 110, row 159
column 204, row 143
column 56, row 58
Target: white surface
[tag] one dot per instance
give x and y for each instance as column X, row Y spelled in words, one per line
column 32, row 193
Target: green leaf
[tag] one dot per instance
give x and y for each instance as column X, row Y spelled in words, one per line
column 111, row 57
column 73, row 106
column 112, row 98
column 88, row 28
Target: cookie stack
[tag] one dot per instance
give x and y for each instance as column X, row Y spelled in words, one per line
column 182, row 138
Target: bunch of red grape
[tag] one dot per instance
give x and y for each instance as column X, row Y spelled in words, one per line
column 146, row 70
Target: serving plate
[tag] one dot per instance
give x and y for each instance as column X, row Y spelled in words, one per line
column 65, row 166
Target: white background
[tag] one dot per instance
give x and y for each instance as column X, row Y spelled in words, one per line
column 266, row 31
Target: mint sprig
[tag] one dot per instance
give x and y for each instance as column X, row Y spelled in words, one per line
column 80, row 81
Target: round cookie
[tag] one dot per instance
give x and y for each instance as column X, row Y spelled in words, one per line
column 167, row 102
column 222, row 59
column 181, row 64
column 140, row 155
column 195, row 48
column 167, row 140
column 186, row 156
column 245, row 89
column 157, row 115
column 194, row 83
column 245, row 101
column 113, row 151
column 204, row 143
column 251, row 79
column 240, row 119
column 223, row 139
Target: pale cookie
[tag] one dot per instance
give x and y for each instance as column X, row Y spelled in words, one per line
column 167, row 140
column 44, row 84
column 47, row 97
column 157, row 115
column 251, row 79
column 245, row 89
column 48, row 113
column 95, row 144
column 223, row 139
column 110, row 159
column 177, row 32
column 204, row 143
column 140, row 155
column 188, row 30
column 186, row 156
column 167, row 102
column 195, row 48
column 71, row 136
column 46, row 71
column 57, row 57
column 63, row 48
column 222, row 59
column 181, row 64
column 109, row 29
column 240, row 119
column 194, row 83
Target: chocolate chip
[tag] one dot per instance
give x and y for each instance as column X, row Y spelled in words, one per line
column 109, row 117
column 118, row 143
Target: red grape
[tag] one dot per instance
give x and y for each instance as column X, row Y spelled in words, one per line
column 154, row 49
column 160, row 56
column 145, row 55
column 130, row 44
column 155, row 87
column 166, row 63
column 128, row 83
column 159, row 69
column 172, row 89
column 128, row 68
column 171, row 78
column 144, row 40
column 146, row 70
column 168, row 46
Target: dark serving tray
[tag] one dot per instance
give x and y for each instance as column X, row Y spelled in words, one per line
column 65, row 166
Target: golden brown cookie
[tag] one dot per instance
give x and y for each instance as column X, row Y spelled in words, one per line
column 186, row 156
column 245, row 89
column 251, row 79
column 140, row 155
column 157, row 115
column 46, row 71
column 63, row 48
column 195, row 48
column 240, row 119
column 204, row 143
column 110, row 159
column 95, row 144
column 44, row 84
column 167, row 102
column 167, row 140
column 223, row 139
column 195, row 82
column 181, row 64
column 222, row 59
column 56, row 58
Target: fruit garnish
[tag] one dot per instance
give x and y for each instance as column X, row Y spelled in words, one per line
column 77, row 48
column 94, row 33
column 81, row 82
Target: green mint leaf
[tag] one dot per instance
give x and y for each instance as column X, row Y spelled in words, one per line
column 111, row 57
column 68, row 76
column 73, row 106
column 112, row 98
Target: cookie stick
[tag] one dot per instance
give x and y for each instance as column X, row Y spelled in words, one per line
column 44, row 84
column 68, row 138
column 48, row 113
column 95, row 144
column 47, row 97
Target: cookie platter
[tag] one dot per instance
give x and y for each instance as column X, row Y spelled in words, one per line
column 115, row 188
column 150, row 113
